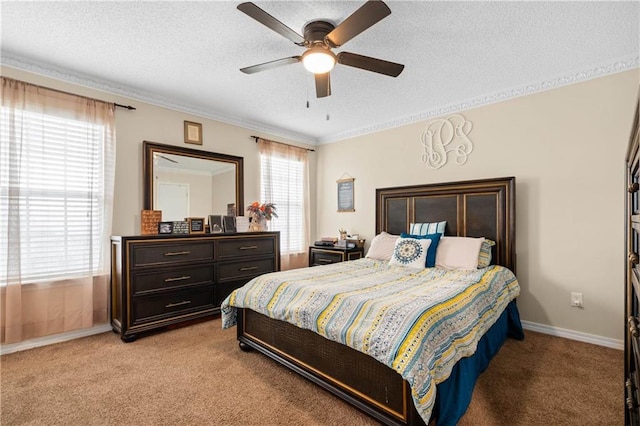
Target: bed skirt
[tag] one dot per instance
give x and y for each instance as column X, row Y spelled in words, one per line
column 454, row 394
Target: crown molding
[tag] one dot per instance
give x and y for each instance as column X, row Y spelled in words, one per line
column 625, row 64
column 58, row 73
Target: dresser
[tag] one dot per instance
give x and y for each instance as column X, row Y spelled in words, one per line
column 632, row 278
column 323, row 255
column 161, row 280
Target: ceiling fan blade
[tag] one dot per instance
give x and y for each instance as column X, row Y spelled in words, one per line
column 269, row 21
column 370, row 64
column 369, row 14
column 323, row 85
column 270, row 65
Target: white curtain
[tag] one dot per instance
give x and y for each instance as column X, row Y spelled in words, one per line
column 57, row 163
column 285, row 182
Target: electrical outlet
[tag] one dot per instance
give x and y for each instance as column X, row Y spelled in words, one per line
column 576, row 300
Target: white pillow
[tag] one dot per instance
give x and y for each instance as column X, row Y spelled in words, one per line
column 458, row 252
column 382, row 246
column 411, row 252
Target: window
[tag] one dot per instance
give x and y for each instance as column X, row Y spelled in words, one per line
column 283, row 185
column 52, row 175
column 284, row 181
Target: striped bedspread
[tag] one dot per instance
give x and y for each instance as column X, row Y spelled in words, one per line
column 418, row 322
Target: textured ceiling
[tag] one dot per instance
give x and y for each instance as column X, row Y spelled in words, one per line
column 187, row 56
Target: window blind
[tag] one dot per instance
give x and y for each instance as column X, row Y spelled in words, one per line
column 282, row 184
column 54, row 177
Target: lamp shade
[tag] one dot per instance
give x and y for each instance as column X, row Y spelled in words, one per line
column 318, row 60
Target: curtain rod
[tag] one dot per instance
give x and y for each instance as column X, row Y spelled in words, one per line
column 282, row 143
column 129, row 107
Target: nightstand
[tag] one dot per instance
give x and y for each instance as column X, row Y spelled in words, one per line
column 322, row 255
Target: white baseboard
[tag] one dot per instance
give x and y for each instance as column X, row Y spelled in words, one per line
column 540, row 328
column 574, row 335
column 50, row 340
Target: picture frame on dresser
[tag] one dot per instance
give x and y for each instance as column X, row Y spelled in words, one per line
column 165, row 228
column 196, row 225
column 215, row 224
column 229, row 224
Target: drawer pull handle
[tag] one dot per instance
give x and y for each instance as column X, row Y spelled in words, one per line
column 249, row 268
column 248, row 247
column 633, row 187
column 177, row 253
column 182, row 278
column 629, row 388
column 633, row 258
column 633, row 328
column 325, row 260
column 184, row 302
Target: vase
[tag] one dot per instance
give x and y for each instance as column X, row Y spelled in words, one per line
column 258, row 224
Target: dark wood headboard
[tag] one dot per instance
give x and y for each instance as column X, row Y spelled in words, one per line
column 474, row 208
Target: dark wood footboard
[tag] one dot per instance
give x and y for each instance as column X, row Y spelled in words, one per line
column 351, row 375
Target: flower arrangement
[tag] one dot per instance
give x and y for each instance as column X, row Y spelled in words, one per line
column 265, row 210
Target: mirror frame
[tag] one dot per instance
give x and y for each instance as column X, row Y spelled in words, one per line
column 150, row 148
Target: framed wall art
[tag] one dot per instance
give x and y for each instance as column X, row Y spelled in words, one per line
column 345, row 195
column 193, row 132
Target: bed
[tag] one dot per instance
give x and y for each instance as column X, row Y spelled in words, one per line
column 480, row 208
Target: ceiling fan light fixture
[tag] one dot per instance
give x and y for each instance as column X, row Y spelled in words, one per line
column 318, row 60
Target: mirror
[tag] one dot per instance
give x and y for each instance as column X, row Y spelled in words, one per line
column 185, row 182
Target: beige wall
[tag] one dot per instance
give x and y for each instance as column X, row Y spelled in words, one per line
column 566, row 148
column 162, row 125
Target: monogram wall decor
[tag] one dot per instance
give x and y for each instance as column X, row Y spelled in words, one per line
column 446, row 135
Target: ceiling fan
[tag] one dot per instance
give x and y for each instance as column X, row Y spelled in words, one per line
column 322, row 36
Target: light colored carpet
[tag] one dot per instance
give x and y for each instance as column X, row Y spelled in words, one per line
column 197, row 375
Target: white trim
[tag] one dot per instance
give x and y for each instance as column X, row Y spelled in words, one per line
column 56, row 338
column 527, row 325
column 621, row 65
column 62, row 74
column 573, row 335
column 52, row 71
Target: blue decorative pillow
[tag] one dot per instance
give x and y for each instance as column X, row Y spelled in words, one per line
column 431, row 254
column 410, row 252
column 427, row 228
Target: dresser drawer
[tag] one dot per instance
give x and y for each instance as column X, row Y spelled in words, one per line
column 229, row 249
column 244, row 270
column 171, row 278
column 167, row 254
column 184, row 302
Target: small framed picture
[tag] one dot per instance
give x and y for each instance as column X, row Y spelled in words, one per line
column 196, row 225
column 165, row 227
column 215, row 224
column 229, row 223
column 180, row 227
column 193, row 132
column 242, row 224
